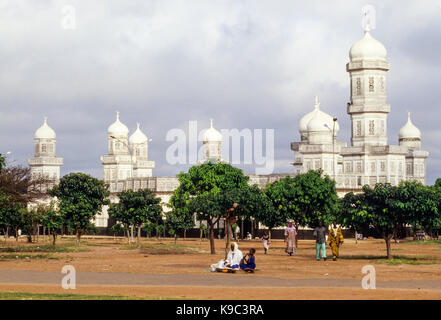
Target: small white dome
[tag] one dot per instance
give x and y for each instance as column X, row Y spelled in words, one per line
column 212, row 135
column 409, row 131
column 368, row 48
column 318, row 122
column 138, row 136
column 322, row 121
column 45, row 132
column 118, row 128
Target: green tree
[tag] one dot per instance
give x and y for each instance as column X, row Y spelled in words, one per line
column 200, row 192
column 80, row 197
column 421, row 205
column 378, row 207
column 178, row 220
column 52, row 220
column 2, row 162
column 137, row 208
column 307, row 199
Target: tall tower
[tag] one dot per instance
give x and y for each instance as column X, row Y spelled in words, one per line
column 368, row 107
column 118, row 161
column 139, row 147
column 45, row 164
column 212, row 145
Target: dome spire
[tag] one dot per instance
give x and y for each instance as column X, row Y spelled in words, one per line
column 117, row 116
column 408, row 117
column 316, row 102
column 211, row 122
column 45, row 120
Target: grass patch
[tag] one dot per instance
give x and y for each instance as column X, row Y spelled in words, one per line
column 14, row 256
column 59, row 296
column 417, row 260
column 418, row 242
column 164, row 248
column 43, row 248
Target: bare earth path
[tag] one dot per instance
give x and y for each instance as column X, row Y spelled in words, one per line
column 209, row 280
column 110, row 267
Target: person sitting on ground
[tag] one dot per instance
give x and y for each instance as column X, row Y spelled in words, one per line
column 248, row 262
column 232, row 262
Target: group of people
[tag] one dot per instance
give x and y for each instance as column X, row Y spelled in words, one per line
column 335, row 240
column 236, row 261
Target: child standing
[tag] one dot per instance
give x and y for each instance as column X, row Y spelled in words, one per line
column 265, row 241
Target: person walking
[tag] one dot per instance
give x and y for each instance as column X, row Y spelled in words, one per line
column 335, row 238
column 265, row 241
column 320, row 241
column 290, row 238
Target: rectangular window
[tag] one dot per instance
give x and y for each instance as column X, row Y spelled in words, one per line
column 358, row 87
column 358, row 128
column 51, row 147
column 43, row 147
column 371, row 127
column 373, row 167
column 371, row 84
column 317, row 164
column 383, row 166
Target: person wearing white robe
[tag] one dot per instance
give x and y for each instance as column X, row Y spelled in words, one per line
column 234, row 257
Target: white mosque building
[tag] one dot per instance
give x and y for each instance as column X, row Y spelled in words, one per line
column 368, row 159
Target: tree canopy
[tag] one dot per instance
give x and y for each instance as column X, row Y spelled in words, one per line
column 80, row 197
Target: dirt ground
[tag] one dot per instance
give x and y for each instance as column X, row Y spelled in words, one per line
column 419, row 262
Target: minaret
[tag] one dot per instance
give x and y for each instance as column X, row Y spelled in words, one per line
column 139, row 147
column 45, row 164
column 368, row 107
column 212, row 145
column 118, row 162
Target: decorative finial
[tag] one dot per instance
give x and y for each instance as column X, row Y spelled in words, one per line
column 137, row 125
column 211, row 122
column 367, row 27
column 408, row 117
column 316, row 102
column 45, row 120
column 117, row 116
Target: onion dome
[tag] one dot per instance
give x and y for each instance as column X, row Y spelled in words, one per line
column 409, row 131
column 317, row 120
column 368, row 48
column 118, row 128
column 212, row 135
column 45, row 132
column 138, row 136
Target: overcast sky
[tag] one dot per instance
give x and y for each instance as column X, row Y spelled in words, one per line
column 247, row 64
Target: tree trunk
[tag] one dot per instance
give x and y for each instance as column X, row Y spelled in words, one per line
column 200, row 235
column 269, row 233
column 185, row 234
column 229, row 233
column 131, row 233
column 241, row 229
column 297, row 235
column 387, row 239
column 128, row 236
column 138, row 241
column 212, row 247
column 176, row 237
column 78, row 237
column 54, row 238
column 356, row 237
column 44, row 233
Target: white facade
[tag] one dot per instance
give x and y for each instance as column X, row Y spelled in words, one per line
column 369, row 159
column 126, row 158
